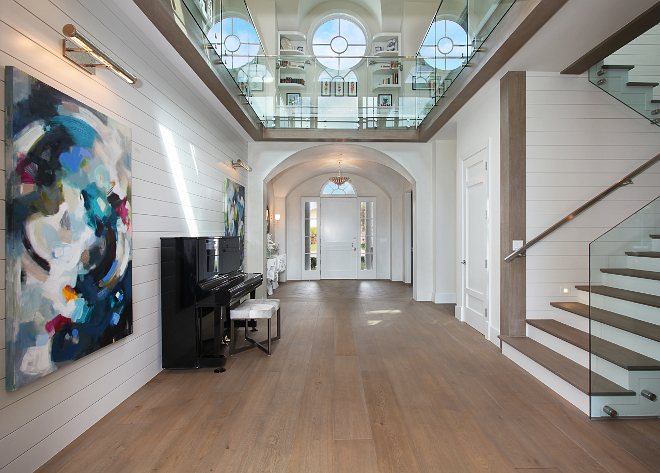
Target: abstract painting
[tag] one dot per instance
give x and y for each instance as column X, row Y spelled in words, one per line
column 68, row 237
column 235, row 211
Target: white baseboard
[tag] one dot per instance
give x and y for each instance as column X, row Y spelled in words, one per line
column 493, row 333
column 440, row 298
column 458, row 312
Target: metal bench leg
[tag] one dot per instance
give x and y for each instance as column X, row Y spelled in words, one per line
column 232, row 340
column 269, row 341
column 278, row 325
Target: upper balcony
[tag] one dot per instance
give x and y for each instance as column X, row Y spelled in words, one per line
column 339, row 84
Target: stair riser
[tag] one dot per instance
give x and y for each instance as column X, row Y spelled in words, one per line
column 604, row 368
column 551, row 380
column 570, row 319
column 645, row 264
column 647, row 286
column 630, row 309
column 628, row 340
column 631, row 406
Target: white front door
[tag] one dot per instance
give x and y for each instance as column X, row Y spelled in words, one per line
column 475, row 240
column 339, row 238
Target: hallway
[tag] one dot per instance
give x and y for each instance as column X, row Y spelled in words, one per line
column 364, row 380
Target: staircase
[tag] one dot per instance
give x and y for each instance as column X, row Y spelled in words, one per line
column 623, row 337
column 614, row 79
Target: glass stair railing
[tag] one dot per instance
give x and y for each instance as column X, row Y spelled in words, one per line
column 624, row 317
column 380, row 91
column 632, row 74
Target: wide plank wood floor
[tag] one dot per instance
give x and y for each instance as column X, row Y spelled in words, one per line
column 363, row 380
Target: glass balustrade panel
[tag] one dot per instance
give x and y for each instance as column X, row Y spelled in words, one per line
column 622, row 282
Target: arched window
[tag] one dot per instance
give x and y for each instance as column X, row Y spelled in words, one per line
column 446, row 46
column 339, row 42
column 330, row 188
column 235, row 40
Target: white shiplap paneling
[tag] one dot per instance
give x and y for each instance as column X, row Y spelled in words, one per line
column 40, row 419
column 580, row 141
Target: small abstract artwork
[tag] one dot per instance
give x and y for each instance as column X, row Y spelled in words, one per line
column 68, row 237
column 235, row 211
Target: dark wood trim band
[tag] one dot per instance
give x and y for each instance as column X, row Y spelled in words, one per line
column 513, row 197
column 625, row 35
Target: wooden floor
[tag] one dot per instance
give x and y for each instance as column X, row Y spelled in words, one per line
column 364, row 380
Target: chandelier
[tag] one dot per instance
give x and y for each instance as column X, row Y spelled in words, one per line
column 339, row 180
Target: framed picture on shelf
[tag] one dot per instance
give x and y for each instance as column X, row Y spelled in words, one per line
column 421, row 83
column 379, row 49
column 301, row 49
column 339, row 88
column 391, row 44
column 293, row 98
column 256, row 84
column 325, row 88
column 352, row 88
column 384, row 100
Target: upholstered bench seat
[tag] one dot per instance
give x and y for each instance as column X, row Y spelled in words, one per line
column 252, row 309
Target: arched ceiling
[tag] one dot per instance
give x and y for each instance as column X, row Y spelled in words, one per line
column 386, row 13
column 359, row 160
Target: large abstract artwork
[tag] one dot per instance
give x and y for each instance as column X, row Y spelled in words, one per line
column 235, row 210
column 68, row 241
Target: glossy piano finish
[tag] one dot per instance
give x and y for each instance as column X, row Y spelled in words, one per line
column 199, row 285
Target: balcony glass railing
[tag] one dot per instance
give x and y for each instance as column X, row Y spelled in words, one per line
column 384, row 91
column 624, row 315
column 631, row 74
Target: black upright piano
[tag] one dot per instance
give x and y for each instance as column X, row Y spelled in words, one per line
column 201, row 281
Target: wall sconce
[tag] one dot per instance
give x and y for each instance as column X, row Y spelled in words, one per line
column 240, row 164
column 88, row 48
column 277, row 218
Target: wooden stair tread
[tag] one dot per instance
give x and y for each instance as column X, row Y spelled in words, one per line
column 638, row 327
column 655, row 101
column 609, row 351
column 642, row 84
column 623, row 294
column 655, row 237
column 633, row 273
column 566, row 369
column 615, row 66
column 644, row 254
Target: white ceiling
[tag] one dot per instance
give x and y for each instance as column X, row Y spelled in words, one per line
column 386, row 13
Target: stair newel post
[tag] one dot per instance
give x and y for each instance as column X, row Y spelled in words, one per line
column 513, row 197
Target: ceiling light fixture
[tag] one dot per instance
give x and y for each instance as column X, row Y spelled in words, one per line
column 339, row 180
column 240, row 164
column 88, row 47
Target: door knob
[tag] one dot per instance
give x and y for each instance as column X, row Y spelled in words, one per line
column 463, row 262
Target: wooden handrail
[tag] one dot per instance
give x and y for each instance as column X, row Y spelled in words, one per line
column 621, row 183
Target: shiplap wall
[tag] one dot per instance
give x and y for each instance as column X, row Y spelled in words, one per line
column 644, row 53
column 40, row 419
column 580, row 141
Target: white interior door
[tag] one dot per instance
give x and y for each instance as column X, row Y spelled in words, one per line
column 475, row 241
column 339, row 238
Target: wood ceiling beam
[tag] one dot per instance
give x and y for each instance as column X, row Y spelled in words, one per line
column 625, row 35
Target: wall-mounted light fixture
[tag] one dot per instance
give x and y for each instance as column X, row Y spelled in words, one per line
column 240, row 164
column 89, row 49
column 277, row 218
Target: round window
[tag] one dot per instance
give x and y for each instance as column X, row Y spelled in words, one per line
column 446, row 46
column 339, row 43
column 235, row 40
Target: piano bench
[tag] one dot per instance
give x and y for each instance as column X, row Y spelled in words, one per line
column 252, row 309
